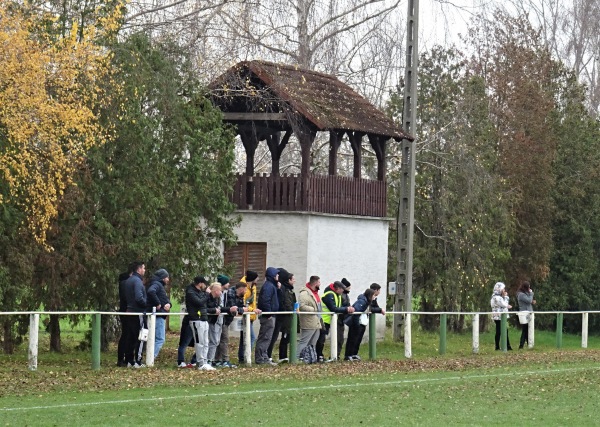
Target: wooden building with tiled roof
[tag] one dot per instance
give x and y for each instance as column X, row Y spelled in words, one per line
column 271, row 102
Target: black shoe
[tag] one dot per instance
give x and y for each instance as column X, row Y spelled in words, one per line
column 509, row 349
column 122, row 364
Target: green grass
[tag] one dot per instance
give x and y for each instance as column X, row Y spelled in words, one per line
column 532, row 394
column 543, row 386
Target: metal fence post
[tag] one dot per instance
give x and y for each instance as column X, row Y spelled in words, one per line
column 34, row 327
column 407, row 336
column 443, row 326
column 294, row 336
column 476, row 333
column 96, row 341
column 584, row 330
column 372, row 337
column 559, row 328
column 504, row 332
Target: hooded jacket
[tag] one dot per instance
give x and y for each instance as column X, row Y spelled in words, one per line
column 195, row 303
column 267, row 297
column 287, row 301
column 157, row 295
column 498, row 302
column 250, row 299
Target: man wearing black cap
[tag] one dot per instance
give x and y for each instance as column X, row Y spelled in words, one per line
column 158, row 299
column 332, row 303
column 250, row 301
column 196, row 302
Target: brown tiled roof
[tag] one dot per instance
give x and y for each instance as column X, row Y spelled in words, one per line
column 322, row 99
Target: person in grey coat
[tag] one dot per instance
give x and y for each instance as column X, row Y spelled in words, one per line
column 526, row 301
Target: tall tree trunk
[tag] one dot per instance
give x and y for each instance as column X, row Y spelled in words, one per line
column 9, row 339
column 54, row 328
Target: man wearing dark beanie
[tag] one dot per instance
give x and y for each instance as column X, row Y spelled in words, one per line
column 250, row 300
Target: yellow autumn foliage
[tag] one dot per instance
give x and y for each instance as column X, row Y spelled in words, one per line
column 49, row 99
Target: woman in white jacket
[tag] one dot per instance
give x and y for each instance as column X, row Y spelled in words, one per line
column 500, row 305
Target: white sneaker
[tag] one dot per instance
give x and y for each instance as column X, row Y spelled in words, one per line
column 182, row 365
column 207, row 367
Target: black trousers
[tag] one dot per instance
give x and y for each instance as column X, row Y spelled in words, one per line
column 276, row 331
column 322, row 338
column 355, row 336
column 524, row 335
column 133, row 346
column 498, row 332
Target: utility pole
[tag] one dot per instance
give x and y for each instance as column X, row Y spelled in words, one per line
column 406, row 208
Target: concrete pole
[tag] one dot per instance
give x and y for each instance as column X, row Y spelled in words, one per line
column 406, row 208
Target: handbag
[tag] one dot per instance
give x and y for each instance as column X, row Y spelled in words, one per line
column 143, row 335
column 363, row 319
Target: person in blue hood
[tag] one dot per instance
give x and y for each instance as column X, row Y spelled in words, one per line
column 268, row 302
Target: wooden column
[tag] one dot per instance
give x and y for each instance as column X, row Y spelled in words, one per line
column 356, row 144
column 306, row 139
column 250, row 141
column 276, row 148
column 335, row 139
column 378, row 144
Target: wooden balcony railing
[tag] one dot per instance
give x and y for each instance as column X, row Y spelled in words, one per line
column 314, row 193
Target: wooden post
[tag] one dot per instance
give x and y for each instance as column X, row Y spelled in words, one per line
column 247, row 339
column 247, row 326
column 443, row 326
column 407, row 336
column 476, row 333
column 151, row 338
column 531, row 332
column 96, row 341
column 584, row 330
column 333, row 336
column 34, row 326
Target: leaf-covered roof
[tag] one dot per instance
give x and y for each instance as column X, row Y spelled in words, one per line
column 320, row 98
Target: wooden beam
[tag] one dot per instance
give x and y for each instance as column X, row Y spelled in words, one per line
column 265, row 117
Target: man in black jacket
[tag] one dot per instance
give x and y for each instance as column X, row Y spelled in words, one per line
column 135, row 295
column 158, row 299
column 283, row 322
column 267, row 302
column 196, row 303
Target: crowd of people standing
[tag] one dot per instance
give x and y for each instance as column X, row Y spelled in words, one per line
column 212, row 307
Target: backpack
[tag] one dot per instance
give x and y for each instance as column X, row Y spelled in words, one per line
column 309, row 354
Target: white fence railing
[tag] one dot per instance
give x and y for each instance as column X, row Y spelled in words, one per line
column 34, row 322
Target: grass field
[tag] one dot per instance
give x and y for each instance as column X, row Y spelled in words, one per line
column 543, row 386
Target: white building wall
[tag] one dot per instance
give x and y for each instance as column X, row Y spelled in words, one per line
column 329, row 246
